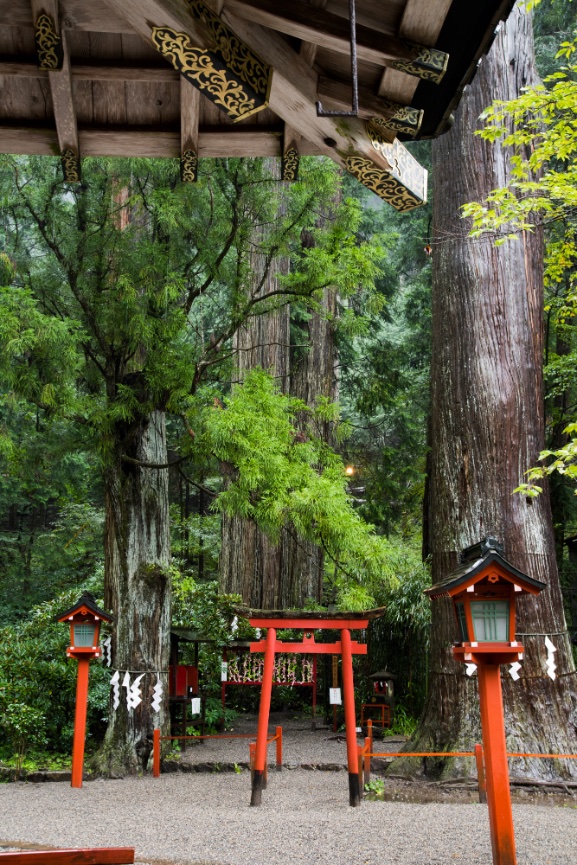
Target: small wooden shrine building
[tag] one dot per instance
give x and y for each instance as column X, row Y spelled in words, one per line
column 351, row 79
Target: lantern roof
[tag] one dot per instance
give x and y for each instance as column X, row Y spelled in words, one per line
column 85, row 604
column 222, row 78
column 382, row 674
column 474, row 570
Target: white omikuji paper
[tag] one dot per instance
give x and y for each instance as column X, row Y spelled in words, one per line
column 195, row 705
column 157, row 696
column 134, row 696
column 550, row 662
column 335, row 697
column 115, row 682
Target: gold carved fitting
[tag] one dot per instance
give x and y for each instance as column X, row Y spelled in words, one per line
column 70, row 165
column 403, row 118
column 189, row 166
column 403, row 167
column 48, row 43
column 290, row 165
column 429, row 64
column 229, row 74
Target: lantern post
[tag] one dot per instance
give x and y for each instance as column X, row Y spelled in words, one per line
column 484, row 591
column 84, row 619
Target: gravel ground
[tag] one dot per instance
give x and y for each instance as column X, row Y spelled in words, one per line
column 301, row 744
column 305, row 818
column 204, row 818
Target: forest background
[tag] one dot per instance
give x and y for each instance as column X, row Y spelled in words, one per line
column 57, row 429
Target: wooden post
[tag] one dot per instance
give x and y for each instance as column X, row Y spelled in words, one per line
column 263, row 716
column 367, row 767
column 481, row 774
column 335, row 685
column 314, row 713
column 279, row 749
column 156, row 752
column 496, row 767
column 350, row 718
column 80, row 722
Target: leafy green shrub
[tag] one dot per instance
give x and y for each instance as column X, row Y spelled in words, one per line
column 38, row 686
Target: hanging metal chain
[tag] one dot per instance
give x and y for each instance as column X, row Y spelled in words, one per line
column 354, row 73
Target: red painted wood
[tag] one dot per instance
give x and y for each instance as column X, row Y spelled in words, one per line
column 496, row 767
column 309, row 624
column 264, row 709
column 312, row 648
column 278, row 737
column 349, row 704
column 156, row 752
column 481, row 773
column 80, row 856
column 80, row 722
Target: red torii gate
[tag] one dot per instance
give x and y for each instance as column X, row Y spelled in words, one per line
column 308, row 622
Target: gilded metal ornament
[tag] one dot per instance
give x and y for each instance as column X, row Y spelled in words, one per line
column 382, row 183
column 229, row 74
column 403, row 118
column 70, row 165
column 404, row 167
column 426, row 63
column 290, row 165
column 48, row 44
column 403, row 185
column 189, row 166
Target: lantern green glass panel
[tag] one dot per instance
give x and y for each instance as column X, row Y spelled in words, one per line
column 490, row 621
column 84, row 634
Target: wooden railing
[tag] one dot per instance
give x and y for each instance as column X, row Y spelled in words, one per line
column 157, row 739
column 77, row 856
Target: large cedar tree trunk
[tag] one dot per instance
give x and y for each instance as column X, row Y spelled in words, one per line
column 137, row 587
column 283, row 575
column 487, row 429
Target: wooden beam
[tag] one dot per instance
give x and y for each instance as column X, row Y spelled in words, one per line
column 189, row 114
column 421, row 22
column 326, row 30
column 154, row 143
column 60, row 87
column 382, row 112
column 293, row 89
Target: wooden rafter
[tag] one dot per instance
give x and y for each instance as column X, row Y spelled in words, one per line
column 292, row 96
column 57, row 62
column 326, row 30
column 189, row 114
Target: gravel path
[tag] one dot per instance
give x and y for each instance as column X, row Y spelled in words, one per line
column 304, row 819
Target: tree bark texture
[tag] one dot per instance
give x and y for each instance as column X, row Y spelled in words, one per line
column 487, row 428
column 138, row 590
column 283, row 575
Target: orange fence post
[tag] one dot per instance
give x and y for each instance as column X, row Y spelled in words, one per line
column 481, row 773
column 80, row 722
column 279, row 749
column 367, row 767
column 156, row 753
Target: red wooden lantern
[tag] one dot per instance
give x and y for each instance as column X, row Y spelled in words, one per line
column 484, row 591
column 84, row 619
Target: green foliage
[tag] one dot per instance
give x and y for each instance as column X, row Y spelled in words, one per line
column 38, row 686
column 279, row 475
